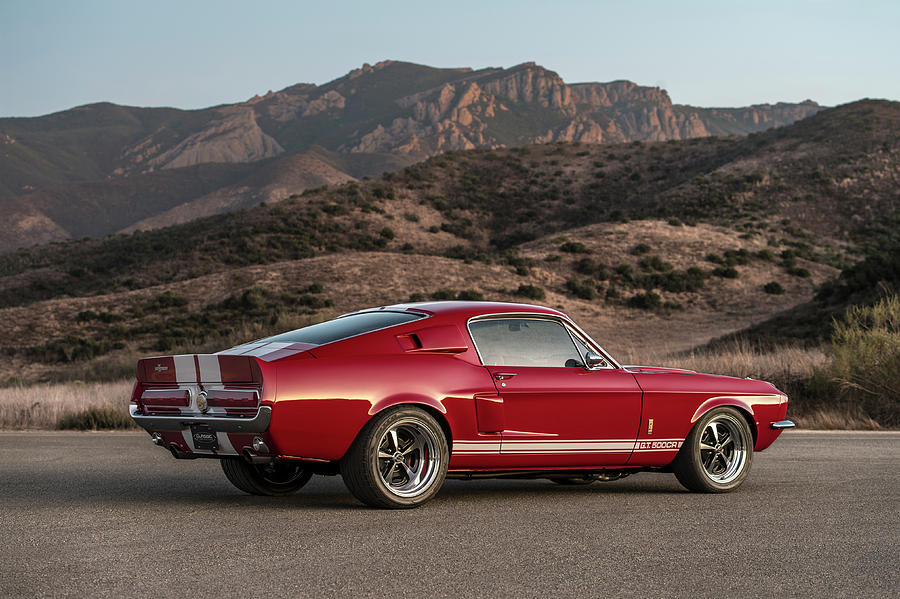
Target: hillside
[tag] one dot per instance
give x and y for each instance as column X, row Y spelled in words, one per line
column 102, row 168
column 649, row 244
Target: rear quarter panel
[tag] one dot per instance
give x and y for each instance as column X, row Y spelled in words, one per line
column 322, row 404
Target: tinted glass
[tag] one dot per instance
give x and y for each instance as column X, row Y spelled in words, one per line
column 344, row 327
column 524, row 342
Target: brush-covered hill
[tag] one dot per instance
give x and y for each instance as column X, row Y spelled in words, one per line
column 649, row 244
column 101, row 168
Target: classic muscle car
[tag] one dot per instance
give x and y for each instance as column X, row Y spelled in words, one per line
column 398, row 398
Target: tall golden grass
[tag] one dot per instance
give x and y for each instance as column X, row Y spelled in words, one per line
column 788, row 368
column 44, row 406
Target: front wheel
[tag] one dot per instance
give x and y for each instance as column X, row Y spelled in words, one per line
column 716, row 456
column 399, row 459
column 274, row 479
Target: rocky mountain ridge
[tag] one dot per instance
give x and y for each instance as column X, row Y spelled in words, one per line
column 95, row 164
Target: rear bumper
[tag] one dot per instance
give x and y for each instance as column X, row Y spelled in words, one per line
column 257, row 424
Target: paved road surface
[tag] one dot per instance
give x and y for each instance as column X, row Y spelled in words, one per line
column 100, row 514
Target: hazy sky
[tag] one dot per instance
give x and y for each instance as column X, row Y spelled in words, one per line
column 192, row 54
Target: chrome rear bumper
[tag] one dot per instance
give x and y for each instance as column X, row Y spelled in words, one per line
column 783, row 424
column 257, row 424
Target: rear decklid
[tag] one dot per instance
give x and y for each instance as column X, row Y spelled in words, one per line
column 213, row 384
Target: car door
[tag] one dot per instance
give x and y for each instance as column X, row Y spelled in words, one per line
column 556, row 412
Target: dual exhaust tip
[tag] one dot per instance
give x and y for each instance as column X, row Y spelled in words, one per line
column 259, row 447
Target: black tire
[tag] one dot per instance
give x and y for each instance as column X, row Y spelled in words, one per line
column 717, row 455
column 275, row 479
column 399, row 459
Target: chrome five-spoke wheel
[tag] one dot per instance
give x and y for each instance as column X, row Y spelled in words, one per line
column 717, row 454
column 398, row 460
column 408, row 461
column 723, row 449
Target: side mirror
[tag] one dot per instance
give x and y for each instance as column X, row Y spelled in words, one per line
column 593, row 360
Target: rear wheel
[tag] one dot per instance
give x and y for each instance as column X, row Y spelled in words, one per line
column 276, row 478
column 716, row 456
column 399, row 459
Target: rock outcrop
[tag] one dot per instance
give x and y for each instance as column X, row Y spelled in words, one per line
column 234, row 137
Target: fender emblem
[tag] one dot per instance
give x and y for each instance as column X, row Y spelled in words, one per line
column 161, row 368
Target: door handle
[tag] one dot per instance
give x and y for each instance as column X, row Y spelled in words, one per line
column 504, row 375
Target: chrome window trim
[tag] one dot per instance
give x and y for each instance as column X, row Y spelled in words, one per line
column 571, row 328
column 421, row 315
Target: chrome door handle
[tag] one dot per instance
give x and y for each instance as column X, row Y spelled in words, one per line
column 504, row 375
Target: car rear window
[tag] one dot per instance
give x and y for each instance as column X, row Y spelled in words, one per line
column 344, row 327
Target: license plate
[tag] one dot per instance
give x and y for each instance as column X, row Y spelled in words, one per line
column 204, row 438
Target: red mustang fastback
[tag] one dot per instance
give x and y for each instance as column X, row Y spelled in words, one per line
column 397, row 398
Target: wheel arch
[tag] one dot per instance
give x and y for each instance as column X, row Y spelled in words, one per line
column 743, row 407
column 433, row 407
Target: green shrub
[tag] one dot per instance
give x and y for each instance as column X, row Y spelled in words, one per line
column 645, row 301
column 416, row 297
column 166, row 300
column 654, row 263
column 470, row 295
column 72, row 349
column 574, row 247
column 585, row 266
column 97, row 418
column 773, row 287
column 641, row 248
column 582, row 289
column 798, row 272
column 531, row 291
column 444, row 294
column 727, row 272
column 866, row 346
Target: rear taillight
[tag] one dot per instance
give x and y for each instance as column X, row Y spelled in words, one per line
column 228, row 398
column 171, row 398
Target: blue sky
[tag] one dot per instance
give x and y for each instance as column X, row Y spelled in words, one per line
column 59, row 54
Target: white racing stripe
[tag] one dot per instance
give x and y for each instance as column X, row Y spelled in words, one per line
column 185, row 369
column 562, row 446
column 209, row 368
column 474, row 447
column 266, row 348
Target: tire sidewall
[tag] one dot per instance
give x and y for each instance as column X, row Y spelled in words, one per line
column 692, row 450
column 384, row 422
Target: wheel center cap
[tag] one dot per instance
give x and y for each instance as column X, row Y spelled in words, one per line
column 397, row 457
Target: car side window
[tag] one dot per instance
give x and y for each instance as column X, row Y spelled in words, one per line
column 524, row 342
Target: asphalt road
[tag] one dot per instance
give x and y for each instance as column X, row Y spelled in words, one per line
column 100, row 514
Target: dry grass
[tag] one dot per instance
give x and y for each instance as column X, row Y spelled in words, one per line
column 742, row 360
column 788, row 368
column 43, row 406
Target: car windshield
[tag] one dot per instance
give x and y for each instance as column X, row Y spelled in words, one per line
column 344, row 327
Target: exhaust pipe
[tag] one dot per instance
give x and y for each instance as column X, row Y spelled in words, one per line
column 254, row 458
column 180, row 455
